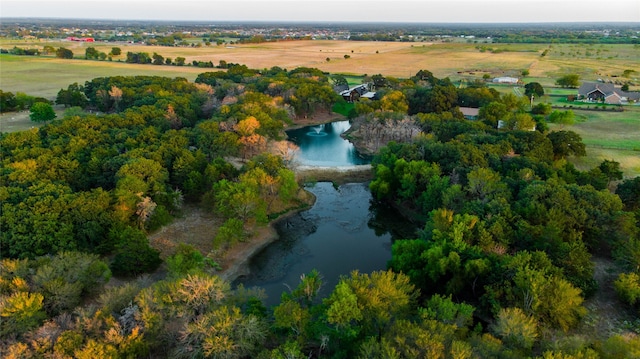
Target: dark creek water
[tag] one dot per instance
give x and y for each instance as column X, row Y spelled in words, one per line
column 345, row 230
column 322, row 145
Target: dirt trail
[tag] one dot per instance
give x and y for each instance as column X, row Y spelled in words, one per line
column 606, row 314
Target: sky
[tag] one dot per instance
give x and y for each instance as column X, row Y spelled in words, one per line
column 415, row 11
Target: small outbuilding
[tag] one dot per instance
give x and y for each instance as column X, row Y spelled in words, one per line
column 470, row 113
column 506, row 80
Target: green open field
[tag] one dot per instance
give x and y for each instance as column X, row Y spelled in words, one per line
column 609, row 135
column 45, row 76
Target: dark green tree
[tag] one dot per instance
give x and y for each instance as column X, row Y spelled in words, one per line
column 533, row 88
column 340, row 81
column 570, row 81
column 90, row 53
column 133, row 253
column 7, row 101
column 42, row 112
column 158, row 59
column 64, row 53
column 629, row 192
column 566, row 143
column 611, row 170
column 72, row 96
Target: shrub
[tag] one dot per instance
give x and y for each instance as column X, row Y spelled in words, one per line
column 20, row 313
column 516, row 329
column 628, row 288
column 231, row 232
column 66, row 277
column 541, row 109
column 186, row 260
column 41, row 112
column 134, row 255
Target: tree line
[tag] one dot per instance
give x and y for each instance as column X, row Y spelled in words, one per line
column 500, row 269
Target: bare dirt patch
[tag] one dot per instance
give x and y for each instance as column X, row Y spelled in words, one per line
column 198, row 227
column 16, row 121
column 606, row 315
column 195, row 226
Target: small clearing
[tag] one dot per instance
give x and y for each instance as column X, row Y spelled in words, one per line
column 606, row 315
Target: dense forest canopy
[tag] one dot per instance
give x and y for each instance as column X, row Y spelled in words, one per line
column 501, row 268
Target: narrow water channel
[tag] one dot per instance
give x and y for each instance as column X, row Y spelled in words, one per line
column 344, row 231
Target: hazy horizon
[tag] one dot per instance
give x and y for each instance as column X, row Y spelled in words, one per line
column 354, row 11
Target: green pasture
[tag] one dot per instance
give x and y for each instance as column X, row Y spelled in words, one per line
column 608, row 135
column 45, row 76
column 343, row 108
column 615, row 130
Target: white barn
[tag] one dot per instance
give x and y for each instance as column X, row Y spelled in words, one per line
column 506, row 80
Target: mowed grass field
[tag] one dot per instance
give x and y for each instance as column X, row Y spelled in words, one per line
column 608, row 135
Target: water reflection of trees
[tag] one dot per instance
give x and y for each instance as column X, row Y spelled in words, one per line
column 385, row 219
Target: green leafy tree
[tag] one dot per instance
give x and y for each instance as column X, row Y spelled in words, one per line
column 442, row 98
column 72, row 96
column 186, row 259
column 339, row 81
column 231, row 232
column 379, row 81
column 21, row 312
column 41, row 112
column 566, row 143
column 570, row 81
column 67, row 277
column 629, row 192
column 485, row 184
column 7, row 101
column 520, row 122
column 541, row 109
column 562, row 117
column 64, row 53
column 90, row 53
column 493, row 112
column 627, row 286
column 533, row 88
column 116, row 51
column 158, row 59
column 517, row 329
column 444, row 310
column 133, row 253
column 611, row 170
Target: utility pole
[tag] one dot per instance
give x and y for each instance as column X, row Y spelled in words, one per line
column 532, row 96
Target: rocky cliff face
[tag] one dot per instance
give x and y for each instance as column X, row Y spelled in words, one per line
column 369, row 133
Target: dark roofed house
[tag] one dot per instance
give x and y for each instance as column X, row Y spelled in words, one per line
column 355, row 93
column 606, row 93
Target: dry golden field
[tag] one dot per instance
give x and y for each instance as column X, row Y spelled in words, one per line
column 45, row 75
